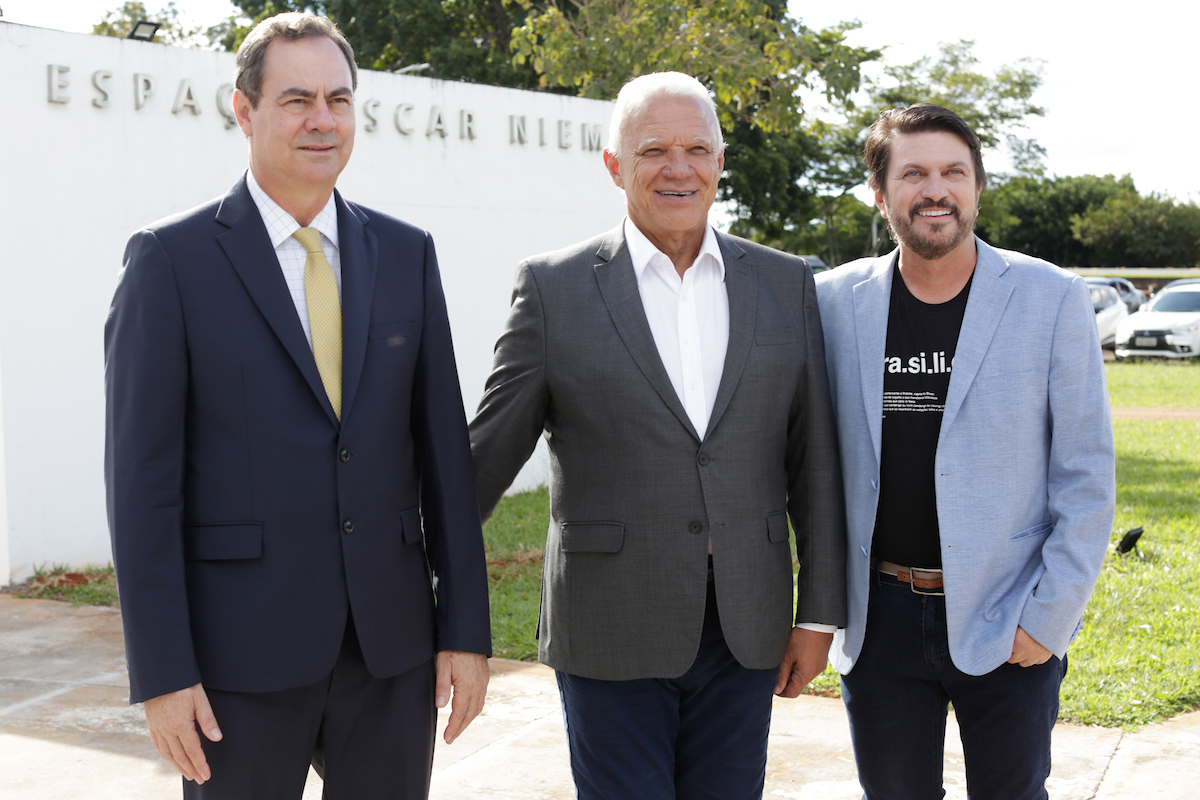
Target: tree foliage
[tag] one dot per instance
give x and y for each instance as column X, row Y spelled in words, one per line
column 1152, row 231
column 458, row 39
column 755, row 58
column 995, row 106
column 1033, row 215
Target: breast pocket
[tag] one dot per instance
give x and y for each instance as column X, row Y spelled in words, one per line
column 395, row 334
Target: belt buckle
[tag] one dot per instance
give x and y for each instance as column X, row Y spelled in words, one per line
column 926, row 574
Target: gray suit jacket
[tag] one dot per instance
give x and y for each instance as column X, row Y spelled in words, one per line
column 636, row 492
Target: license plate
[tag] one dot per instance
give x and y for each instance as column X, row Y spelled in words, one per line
column 1145, row 341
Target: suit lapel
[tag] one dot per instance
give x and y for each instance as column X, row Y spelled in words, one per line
column 618, row 287
column 248, row 248
column 872, row 300
column 985, row 306
column 359, row 254
column 742, row 290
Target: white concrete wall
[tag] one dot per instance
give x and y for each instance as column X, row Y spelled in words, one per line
column 78, row 178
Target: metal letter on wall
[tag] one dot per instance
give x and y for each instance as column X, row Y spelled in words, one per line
column 541, row 132
column 57, row 83
column 516, row 129
column 100, row 81
column 589, row 137
column 143, row 87
column 225, row 104
column 564, row 133
column 436, row 123
column 401, row 110
column 185, row 99
column 370, row 108
column 466, row 125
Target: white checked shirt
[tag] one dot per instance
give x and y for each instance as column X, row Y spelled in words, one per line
column 291, row 254
column 688, row 316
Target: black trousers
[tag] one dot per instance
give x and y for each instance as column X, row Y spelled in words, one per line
column 367, row 737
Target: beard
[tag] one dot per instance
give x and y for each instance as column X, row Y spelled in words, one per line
column 943, row 242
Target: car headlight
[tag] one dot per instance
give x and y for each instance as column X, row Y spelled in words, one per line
column 1195, row 326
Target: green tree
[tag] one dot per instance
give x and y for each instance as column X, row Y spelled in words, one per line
column 784, row 201
column 1152, row 231
column 754, row 57
column 459, row 39
column 120, row 22
column 995, row 106
column 1034, row 215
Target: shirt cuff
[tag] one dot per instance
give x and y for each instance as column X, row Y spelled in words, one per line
column 819, row 627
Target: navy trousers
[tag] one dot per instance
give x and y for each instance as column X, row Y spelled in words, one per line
column 701, row 736
column 897, row 696
column 367, row 737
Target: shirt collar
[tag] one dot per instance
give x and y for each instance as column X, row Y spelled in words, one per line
column 642, row 250
column 281, row 225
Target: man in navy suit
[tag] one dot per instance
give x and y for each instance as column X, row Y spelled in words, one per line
column 293, row 516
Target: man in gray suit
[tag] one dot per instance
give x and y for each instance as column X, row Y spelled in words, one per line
column 678, row 376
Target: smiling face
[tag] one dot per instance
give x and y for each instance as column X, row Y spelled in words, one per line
column 669, row 168
column 930, row 197
column 302, row 132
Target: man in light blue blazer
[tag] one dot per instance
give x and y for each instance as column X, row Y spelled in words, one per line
column 978, row 462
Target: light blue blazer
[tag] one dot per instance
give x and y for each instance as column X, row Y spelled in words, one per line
column 1025, row 465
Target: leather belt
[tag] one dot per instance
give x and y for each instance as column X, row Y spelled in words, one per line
column 920, row 581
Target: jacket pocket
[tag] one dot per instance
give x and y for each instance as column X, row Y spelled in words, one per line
column 394, row 334
column 1040, row 528
column 592, row 537
column 223, row 541
column 410, row 522
column 777, row 527
column 777, row 336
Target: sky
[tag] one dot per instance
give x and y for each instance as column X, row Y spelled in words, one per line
column 1117, row 79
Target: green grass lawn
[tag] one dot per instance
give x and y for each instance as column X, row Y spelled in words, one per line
column 1138, row 657
column 1158, row 383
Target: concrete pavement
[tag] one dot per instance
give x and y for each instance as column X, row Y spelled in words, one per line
column 67, row 732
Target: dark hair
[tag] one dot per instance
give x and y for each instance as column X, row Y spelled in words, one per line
column 917, row 118
column 290, row 26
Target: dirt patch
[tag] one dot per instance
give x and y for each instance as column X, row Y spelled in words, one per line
column 1156, row 414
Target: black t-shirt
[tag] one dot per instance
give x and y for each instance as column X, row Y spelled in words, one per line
column 918, row 356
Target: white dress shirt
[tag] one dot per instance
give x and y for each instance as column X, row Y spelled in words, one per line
column 291, row 254
column 688, row 316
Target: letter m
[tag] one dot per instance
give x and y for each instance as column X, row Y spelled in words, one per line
column 591, row 137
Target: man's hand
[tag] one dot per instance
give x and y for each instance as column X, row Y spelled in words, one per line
column 466, row 674
column 172, row 719
column 1027, row 652
column 805, row 658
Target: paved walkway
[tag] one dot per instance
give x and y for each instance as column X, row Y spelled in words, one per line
column 67, row 732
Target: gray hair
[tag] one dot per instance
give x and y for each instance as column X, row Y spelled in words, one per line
column 638, row 92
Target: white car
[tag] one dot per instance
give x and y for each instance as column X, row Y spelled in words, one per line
column 1167, row 327
column 1110, row 310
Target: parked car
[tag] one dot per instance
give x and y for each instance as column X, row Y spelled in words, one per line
column 816, row 263
column 1167, row 327
column 1182, row 282
column 1110, row 310
column 1131, row 296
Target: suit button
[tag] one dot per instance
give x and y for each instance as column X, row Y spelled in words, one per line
column 347, row 526
column 344, row 455
column 695, row 527
column 703, row 459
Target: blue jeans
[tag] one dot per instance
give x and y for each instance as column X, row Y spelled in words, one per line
column 701, row 736
column 897, row 695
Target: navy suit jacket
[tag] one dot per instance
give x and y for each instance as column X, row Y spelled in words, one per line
column 245, row 519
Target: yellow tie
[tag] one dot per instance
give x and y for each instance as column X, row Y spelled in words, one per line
column 324, row 315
